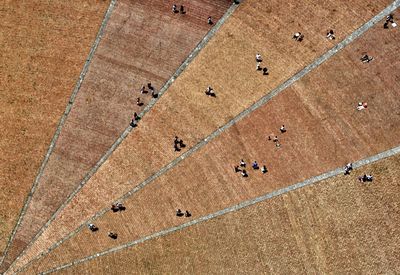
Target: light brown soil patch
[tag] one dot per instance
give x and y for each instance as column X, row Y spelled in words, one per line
column 192, row 116
column 43, row 48
column 143, row 42
column 338, row 226
column 325, row 132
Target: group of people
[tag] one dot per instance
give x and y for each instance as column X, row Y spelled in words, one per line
column 150, row 88
column 298, row 36
column 364, row 178
column 348, row 168
column 258, row 65
column 182, row 10
column 143, row 90
column 389, row 19
column 275, row 139
column 210, row 92
column 120, row 207
column 242, row 165
column 135, row 119
column 330, row 35
column 179, row 213
column 362, row 106
column 178, row 144
column 115, row 208
column 365, row 58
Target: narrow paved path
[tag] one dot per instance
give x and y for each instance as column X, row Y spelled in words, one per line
column 348, row 40
column 236, row 207
column 61, row 123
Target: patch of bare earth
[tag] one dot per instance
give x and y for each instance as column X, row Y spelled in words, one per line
column 44, row 45
column 337, row 226
column 143, row 42
column 324, row 131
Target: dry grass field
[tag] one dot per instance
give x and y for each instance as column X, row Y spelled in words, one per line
column 143, row 42
column 43, row 48
column 337, row 226
column 325, row 131
column 192, row 116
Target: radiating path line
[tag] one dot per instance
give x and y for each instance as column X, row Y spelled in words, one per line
column 348, row 40
column 60, row 125
column 308, row 182
column 126, row 132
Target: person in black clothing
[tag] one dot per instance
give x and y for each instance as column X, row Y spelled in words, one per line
column 366, row 59
column 255, row 165
column 298, row 36
column 176, row 148
column 92, row 227
column 179, row 213
column 264, row 169
column 330, row 35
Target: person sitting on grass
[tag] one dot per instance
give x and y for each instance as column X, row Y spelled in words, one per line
column 255, row 165
column 179, row 213
column 348, row 168
column 365, row 178
column 210, row 92
column 92, row 227
column 366, row 58
column 298, row 36
column 330, row 35
column 264, row 169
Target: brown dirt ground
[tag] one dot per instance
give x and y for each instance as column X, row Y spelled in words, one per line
column 321, row 138
column 143, row 42
column 337, row 226
column 43, row 48
column 184, row 106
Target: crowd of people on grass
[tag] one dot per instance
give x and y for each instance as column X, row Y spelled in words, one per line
column 178, row 143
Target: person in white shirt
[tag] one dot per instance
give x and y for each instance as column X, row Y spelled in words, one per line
column 298, row 36
column 330, row 35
